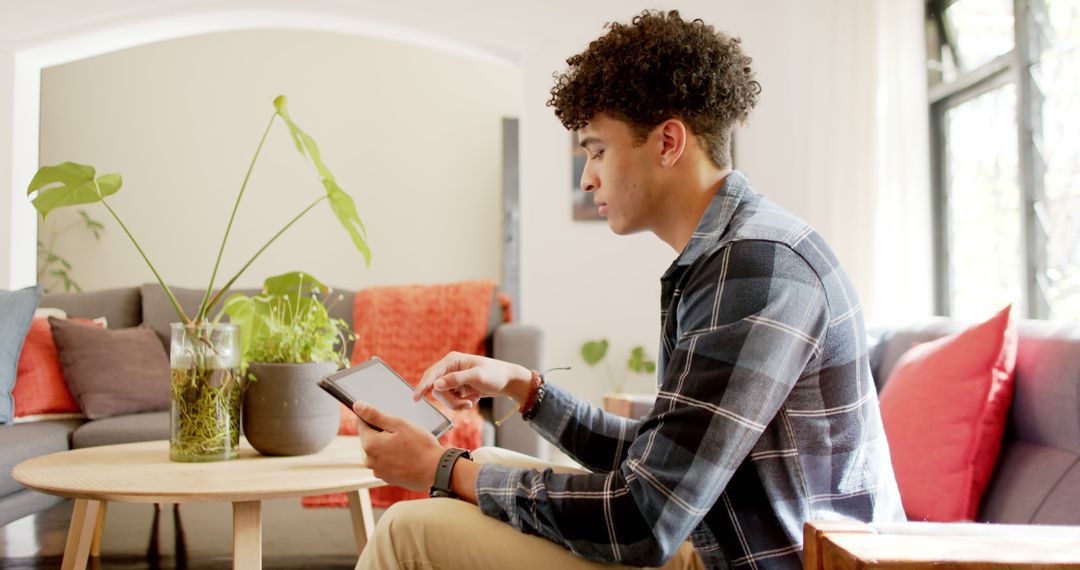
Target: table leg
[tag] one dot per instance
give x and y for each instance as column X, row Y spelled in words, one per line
column 247, row 535
column 99, row 527
column 363, row 518
column 80, row 534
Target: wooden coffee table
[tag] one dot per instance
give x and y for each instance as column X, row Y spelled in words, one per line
column 142, row 473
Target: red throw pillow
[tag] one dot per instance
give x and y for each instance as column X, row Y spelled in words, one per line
column 40, row 390
column 944, row 408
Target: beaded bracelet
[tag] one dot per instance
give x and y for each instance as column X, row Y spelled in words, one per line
column 536, row 394
column 535, row 383
column 536, row 397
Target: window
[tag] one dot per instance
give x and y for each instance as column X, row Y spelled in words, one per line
column 1004, row 85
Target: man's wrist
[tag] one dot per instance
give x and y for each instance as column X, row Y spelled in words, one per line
column 520, row 387
column 463, row 480
column 442, row 487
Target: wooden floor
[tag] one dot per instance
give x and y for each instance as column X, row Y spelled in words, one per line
column 197, row 536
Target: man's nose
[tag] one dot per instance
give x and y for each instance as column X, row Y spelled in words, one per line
column 588, row 183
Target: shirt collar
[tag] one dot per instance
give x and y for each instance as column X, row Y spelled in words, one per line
column 715, row 221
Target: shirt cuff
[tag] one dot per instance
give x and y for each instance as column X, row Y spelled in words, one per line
column 556, row 406
column 496, row 491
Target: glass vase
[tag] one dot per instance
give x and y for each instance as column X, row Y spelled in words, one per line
column 206, row 391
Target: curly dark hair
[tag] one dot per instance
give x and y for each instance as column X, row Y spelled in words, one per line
column 656, row 68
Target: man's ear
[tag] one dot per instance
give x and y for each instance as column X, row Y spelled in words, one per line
column 673, row 135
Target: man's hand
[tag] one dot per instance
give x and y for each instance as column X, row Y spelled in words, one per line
column 403, row 454
column 460, row 380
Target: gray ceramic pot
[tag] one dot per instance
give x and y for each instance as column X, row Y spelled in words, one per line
column 285, row 411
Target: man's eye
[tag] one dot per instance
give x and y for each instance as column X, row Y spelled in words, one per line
column 597, row 154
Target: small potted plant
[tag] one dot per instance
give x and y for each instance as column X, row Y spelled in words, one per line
column 288, row 342
column 637, row 363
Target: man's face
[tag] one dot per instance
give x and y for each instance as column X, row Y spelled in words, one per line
column 620, row 174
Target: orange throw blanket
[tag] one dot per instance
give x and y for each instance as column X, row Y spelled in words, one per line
column 412, row 327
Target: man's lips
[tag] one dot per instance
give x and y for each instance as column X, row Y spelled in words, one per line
column 602, row 209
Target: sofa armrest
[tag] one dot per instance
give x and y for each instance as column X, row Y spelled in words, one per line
column 524, row 345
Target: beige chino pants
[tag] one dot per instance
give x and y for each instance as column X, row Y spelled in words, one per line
column 445, row 534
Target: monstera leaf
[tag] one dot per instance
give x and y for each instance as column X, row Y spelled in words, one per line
column 70, row 184
column 341, row 203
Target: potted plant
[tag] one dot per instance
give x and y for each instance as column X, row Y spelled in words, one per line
column 289, row 342
column 206, row 384
column 637, row 363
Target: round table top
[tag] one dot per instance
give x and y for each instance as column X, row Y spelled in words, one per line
column 142, row 473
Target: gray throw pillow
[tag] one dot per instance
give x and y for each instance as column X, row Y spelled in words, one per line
column 16, row 312
column 112, row 372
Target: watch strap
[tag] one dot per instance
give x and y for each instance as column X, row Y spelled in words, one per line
column 441, row 487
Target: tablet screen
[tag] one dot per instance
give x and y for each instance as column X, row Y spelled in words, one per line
column 375, row 383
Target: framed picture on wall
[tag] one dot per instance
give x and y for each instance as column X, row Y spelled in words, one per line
column 584, row 209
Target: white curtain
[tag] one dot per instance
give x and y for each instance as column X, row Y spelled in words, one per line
column 903, row 262
column 841, row 138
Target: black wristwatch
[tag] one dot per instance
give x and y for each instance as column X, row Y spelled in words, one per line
column 441, row 488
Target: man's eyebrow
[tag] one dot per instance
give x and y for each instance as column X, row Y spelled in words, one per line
column 585, row 142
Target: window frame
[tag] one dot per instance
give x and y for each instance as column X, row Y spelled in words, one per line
column 1014, row 66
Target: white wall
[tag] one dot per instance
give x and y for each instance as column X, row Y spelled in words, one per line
column 810, row 146
column 412, row 133
column 816, row 144
column 18, row 121
column 7, row 199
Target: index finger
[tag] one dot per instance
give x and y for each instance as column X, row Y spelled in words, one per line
column 436, row 371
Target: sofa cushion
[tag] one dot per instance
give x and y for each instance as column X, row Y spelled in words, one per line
column 1046, row 407
column 24, row 441
column 25, row 502
column 122, row 429
column 17, row 310
column 1026, row 476
column 158, row 312
column 40, row 390
column 120, row 307
column 944, row 409
column 1037, row 480
column 112, row 372
column 900, row 340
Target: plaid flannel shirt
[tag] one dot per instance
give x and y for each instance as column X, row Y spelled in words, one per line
column 766, row 415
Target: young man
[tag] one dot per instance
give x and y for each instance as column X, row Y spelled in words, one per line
column 766, row 415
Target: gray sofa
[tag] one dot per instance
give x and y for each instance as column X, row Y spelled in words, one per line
column 128, row 307
column 1037, row 477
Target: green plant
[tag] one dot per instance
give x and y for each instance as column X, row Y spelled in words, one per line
column 205, row 377
column 288, row 323
column 51, row 264
column 69, row 184
column 638, row 362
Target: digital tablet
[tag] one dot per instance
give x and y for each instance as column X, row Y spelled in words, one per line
column 375, row 383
